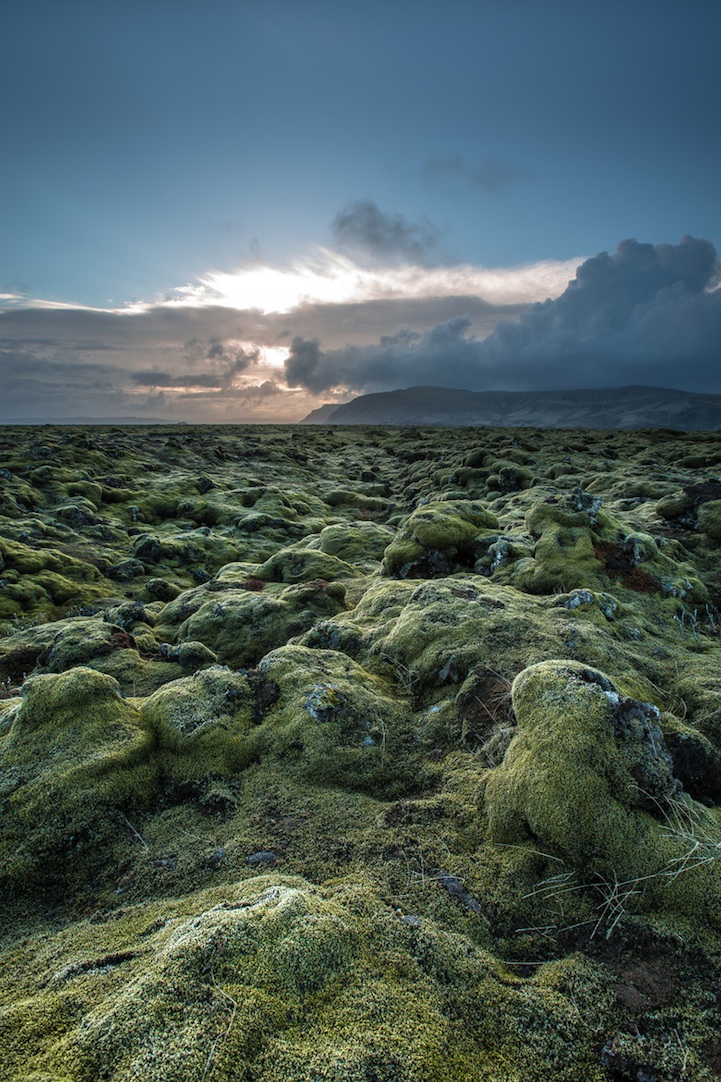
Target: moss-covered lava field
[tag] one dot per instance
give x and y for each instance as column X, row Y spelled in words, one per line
column 363, row 755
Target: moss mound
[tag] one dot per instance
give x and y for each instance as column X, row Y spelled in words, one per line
column 240, row 625
column 282, row 979
column 437, row 539
column 589, row 781
column 204, row 722
column 75, row 756
column 338, row 724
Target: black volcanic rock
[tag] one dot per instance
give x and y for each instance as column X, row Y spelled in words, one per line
column 618, row 408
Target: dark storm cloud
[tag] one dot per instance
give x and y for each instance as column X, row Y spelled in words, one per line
column 306, row 362
column 32, row 386
column 493, row 175
column 230, row 356
column 267, row 389
column 362, row 227
column 644, row 315
column 441, row 356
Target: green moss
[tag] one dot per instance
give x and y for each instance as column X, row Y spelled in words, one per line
column 675, row 506
column 42, row 580
column 204, row 723
column 587, row 781
column 437, row 539
column 348, row 498
column 337, row 723
column 136, row 675
column 283, row 979
column 79, row 640
column 74, row 756
column 564, row 559
column 30, row 561
column 355, row 542
column 304, row 565
column 240, row 625
column 709, row 519
column 509, row 477
column 432, row 636
column 363, row 856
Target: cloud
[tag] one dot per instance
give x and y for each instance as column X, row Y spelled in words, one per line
column 443, row 356
column 492, row 176
column 643, row 314
column 363, row 228
column 267, row 389
column 305, row 363
column 202, row 354
column 221, row 360
column 329, row 278
column 33, row 385
column 153, row 378
column 646, row 314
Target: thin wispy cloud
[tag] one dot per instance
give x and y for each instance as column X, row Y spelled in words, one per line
column 328, row 277
column 491, row 177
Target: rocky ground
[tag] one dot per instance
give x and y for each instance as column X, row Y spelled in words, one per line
column 372, row 755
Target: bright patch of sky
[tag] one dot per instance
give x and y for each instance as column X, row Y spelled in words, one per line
column 334, row 279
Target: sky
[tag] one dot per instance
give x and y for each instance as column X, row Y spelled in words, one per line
column 238, row 210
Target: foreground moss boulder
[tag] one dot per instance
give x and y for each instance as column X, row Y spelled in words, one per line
column 74, row 757
column 589, row 782
column 276, row 978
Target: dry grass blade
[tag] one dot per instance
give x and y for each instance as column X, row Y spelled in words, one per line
column 221, row 1036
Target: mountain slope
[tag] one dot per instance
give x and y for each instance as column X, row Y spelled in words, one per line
column 622, row 408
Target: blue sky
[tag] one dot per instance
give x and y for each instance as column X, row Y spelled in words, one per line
column 478, row 150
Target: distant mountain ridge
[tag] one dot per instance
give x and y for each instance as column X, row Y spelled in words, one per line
column 606, row 407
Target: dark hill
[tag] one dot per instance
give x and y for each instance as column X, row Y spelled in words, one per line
column 621, row 408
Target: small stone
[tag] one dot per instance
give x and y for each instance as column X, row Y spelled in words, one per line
column 263, row 856
column 125, row 570
column 457, row 890
column 215, row 858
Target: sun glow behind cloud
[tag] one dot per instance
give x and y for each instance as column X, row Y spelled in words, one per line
column 331, row 278
column 218, row 348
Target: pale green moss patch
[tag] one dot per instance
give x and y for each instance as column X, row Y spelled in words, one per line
column 76, row 754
